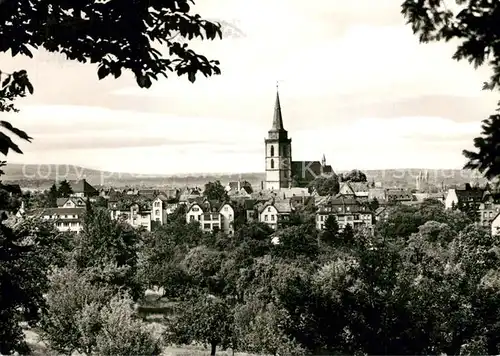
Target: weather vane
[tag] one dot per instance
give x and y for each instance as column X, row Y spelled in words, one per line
column 277, row 84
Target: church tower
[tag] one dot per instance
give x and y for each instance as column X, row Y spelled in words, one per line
column 278, row 153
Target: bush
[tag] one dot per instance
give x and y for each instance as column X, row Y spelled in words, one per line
column 122, row 333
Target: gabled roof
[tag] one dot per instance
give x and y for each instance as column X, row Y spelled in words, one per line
column 162, row 198
column 60, row 211
column 282, row 206
column 263, row 195
column 148, row 192
column 202, row 207
column 475, row 194
column 82, row 186
column 78, row 201
column 222, row 205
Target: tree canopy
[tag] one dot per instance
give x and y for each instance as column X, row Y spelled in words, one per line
column 354, row 176
column 215, row 191
column 118, row 36
column 325, row 185
column 473, row 25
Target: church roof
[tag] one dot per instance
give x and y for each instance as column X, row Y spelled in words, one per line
column 277, row 119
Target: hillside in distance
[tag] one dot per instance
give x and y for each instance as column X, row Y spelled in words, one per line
column 42, row 176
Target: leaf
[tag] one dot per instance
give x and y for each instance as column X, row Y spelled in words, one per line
column 30, row 87
column 16, row 131
column 192, row 77
column 103, row 72
column 6, row 143
column 144, row 81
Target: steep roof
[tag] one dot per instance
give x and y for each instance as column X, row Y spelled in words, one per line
column 475, row 194
column 77, row 201
column 359, row 186
column 282, row 206
column 277, row 118
column 82, row 186
column 162, row 197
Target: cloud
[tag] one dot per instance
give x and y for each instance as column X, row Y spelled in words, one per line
column 340, row 62
column 154, row 143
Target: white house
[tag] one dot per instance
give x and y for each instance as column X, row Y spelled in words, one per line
column 160, row 210
column 227, row 212
column 194, row 213
column 275, row 213
column 451, row 199
column 65, row 219
column 72, row 202
column 136, row 216
column 212, row 216
column 495, row 225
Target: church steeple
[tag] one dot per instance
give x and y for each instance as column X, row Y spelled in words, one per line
column 278, row 152
column 277, row 119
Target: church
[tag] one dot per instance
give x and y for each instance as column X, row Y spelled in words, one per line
column 281, row 171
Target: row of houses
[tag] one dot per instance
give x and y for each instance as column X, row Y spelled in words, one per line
column 483, row 201
column 144, row 208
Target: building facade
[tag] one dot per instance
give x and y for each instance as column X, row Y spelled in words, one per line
column 212, row 216
column 346, row 211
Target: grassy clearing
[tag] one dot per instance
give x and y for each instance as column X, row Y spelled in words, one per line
column 152, row 308
column 39, row 348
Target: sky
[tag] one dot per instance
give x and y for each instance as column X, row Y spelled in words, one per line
column 355, row 85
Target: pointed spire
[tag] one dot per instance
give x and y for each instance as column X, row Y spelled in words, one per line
column 323, row 160
column 277, row 120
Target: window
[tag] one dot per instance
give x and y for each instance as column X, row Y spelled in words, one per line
column 265, row 217
column 196, row 209
column 206, row 226
column 321, row 217
column 272, row 154
column 226, row 208
column 191, row 217
column 230, row 217
column 157, row 212
column 272, row 217
column 269, row 209
column 199, row 217
column 272, row 163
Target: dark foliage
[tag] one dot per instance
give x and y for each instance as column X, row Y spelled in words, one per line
column 473, row 24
